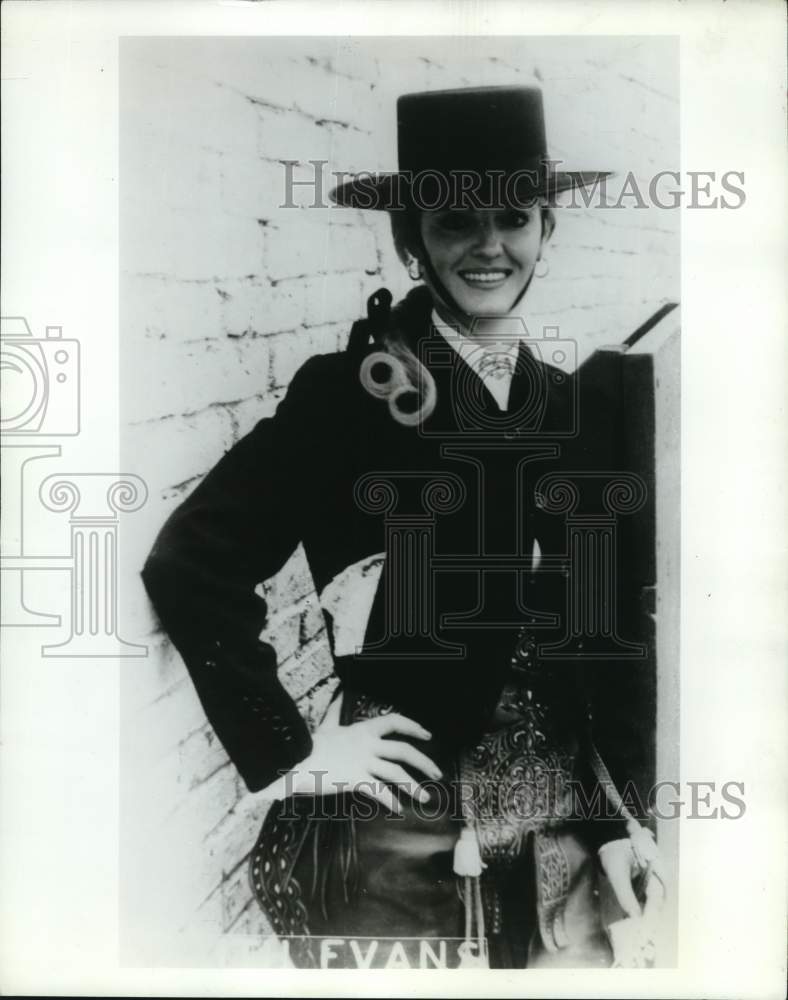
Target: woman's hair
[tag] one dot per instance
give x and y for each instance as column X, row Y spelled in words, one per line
column 408, row 385
column 393, row 372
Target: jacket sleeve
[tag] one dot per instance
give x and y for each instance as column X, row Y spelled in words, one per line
column 238, row 528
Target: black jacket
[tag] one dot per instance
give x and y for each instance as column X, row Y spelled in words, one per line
column 308, row 475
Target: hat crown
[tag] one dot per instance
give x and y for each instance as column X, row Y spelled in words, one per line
column 494, row 134
column 472, row 129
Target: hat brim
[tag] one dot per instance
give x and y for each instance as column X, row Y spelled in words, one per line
column 394, row 191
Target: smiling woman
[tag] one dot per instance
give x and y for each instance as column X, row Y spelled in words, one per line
column 478, row 262
column 445, row 796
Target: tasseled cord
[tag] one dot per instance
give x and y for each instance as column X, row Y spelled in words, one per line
column 467, row 854
column 468, row 866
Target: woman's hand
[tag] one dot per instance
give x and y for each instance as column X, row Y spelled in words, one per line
column 633, row 939
column 618, row 863
column 622, row 861
column 358, row 758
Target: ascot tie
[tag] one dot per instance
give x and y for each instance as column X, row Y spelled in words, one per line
column 496, row 364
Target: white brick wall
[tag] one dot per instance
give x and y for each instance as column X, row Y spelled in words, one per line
column 224, row 295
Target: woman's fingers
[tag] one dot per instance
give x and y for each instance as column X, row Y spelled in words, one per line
column 396, row 723
column 617, row 865
column 625, row 894
column 398, row 776
column 376, row 790
column 357, row 757
column 406, row 754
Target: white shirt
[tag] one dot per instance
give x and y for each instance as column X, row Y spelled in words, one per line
column 494, row 365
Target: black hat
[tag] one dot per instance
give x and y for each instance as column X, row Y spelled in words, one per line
column 473, row 147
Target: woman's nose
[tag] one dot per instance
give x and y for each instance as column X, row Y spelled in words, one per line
column 488, row 241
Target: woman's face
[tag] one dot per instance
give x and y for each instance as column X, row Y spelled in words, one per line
column 483, row 257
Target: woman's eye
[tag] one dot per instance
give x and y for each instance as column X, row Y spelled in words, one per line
column 455, row 222
column 515, row 220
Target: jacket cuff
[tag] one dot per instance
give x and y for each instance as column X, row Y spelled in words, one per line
column 254, row 718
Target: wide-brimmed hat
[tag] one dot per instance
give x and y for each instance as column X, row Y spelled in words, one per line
column 472, row 147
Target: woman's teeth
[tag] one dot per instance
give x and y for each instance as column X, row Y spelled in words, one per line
column 484, row 276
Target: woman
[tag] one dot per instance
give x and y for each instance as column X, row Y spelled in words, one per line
column 436, row 802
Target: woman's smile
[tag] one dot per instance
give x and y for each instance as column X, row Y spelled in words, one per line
column 484, row 258
column 485, row 278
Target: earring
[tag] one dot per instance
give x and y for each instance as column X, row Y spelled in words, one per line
column 545, row 268
column 414, row 269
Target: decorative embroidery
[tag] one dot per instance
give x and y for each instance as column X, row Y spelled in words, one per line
column 552, row 887
column 493, row 916
column 271, row 865
column 514, row 781
column 280, row 844
column 517, row 779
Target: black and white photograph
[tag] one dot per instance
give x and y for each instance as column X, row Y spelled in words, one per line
column 387, row 545
column 404, row 361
